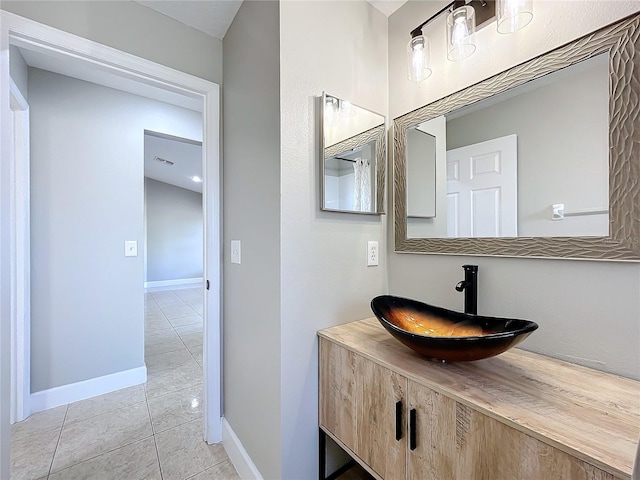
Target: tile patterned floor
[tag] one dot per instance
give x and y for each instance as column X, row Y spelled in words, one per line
column 147, row 432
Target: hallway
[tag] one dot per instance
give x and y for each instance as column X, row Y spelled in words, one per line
column 149, row 431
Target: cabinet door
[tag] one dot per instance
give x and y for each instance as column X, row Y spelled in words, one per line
column 379, row 391
column 454, row 441
column 338, row 392
column 489, row 449
column 432, row 454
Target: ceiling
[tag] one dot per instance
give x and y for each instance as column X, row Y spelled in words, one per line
column 214, row 17
column 186, row 156
column 387, row 6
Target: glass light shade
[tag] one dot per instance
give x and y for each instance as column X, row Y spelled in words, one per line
column 331, row 105
column 513, row 15
column 346, row 109
column 461, row 26
column 418, row 59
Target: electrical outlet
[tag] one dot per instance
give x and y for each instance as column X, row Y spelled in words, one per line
column 236, row 251
column 372, row 254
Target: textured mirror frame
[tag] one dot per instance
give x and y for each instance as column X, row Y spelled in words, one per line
column 622, row 41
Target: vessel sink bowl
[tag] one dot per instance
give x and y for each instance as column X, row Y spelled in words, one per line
column 443, row 334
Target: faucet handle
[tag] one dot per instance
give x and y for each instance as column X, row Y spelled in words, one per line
column 461, row 286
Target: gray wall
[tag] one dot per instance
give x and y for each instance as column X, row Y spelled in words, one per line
column 339, row 47
column 174, row 232
column 563, row 152
column 19, row 70
column 87, row 145
column 132, row 28
column 252, row 290
column 588, row 312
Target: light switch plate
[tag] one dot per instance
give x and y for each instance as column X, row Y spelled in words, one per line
column 236, row 253
column 130, row 248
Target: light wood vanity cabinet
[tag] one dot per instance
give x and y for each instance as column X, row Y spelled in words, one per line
column 516, row 416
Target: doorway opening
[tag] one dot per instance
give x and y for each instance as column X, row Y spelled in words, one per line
column 173, row 258
column 83, row 59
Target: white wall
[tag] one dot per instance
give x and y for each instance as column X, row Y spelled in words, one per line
column 174, row 232
column 87, row 145
column 251, row 185
column 132, row 28
column 339, row 47
column 588, row 312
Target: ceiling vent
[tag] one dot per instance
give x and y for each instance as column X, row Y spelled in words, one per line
column 162, row 160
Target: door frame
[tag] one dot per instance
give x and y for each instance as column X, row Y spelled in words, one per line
column 22, row 32
column 20, row 264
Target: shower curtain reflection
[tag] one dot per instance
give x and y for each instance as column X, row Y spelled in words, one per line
column 362, row 185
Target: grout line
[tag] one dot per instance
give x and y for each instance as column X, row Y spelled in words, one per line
column 103, row 453
column 153, row 429
column 66, row 412
column 203, row 471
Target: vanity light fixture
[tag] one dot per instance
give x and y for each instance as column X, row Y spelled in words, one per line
column 335, row 105
column 461, row 27
column 196, row 179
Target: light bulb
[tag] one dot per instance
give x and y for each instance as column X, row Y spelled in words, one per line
column 514, row 15
column 460, row 31
column 461, row 25
column 330, row 105
column 418, row 58
column 345, row 108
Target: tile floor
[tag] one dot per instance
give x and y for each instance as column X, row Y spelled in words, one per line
column 147, row 432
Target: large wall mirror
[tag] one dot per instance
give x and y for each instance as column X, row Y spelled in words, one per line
column 353, row 158
column 542, row 160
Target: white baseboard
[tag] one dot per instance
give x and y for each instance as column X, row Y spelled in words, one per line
column 54, row 397
column 171, row 283
column 245, row 467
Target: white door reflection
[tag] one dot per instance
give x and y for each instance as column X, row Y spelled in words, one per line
column 482, row 189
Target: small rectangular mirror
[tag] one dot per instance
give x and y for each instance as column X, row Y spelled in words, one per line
column 352, row 160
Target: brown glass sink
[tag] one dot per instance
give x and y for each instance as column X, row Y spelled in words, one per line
column 445, row 334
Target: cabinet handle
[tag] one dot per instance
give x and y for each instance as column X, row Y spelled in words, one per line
column 412, row 429
column 398, row 419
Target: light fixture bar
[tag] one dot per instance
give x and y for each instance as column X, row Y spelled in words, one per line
column 418, row 30
column 463, row 17
column 485, row 11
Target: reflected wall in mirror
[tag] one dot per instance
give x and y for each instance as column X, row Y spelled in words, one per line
column 421, row 173
column 537, row 161
column 352, row 160
column 513, row 156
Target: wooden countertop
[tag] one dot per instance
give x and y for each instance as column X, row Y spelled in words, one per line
column 592, row 415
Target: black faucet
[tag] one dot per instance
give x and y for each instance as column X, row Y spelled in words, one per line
column 470, row 287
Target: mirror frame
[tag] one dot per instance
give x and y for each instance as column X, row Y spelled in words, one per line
column 376, row 133
column 621, row 41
